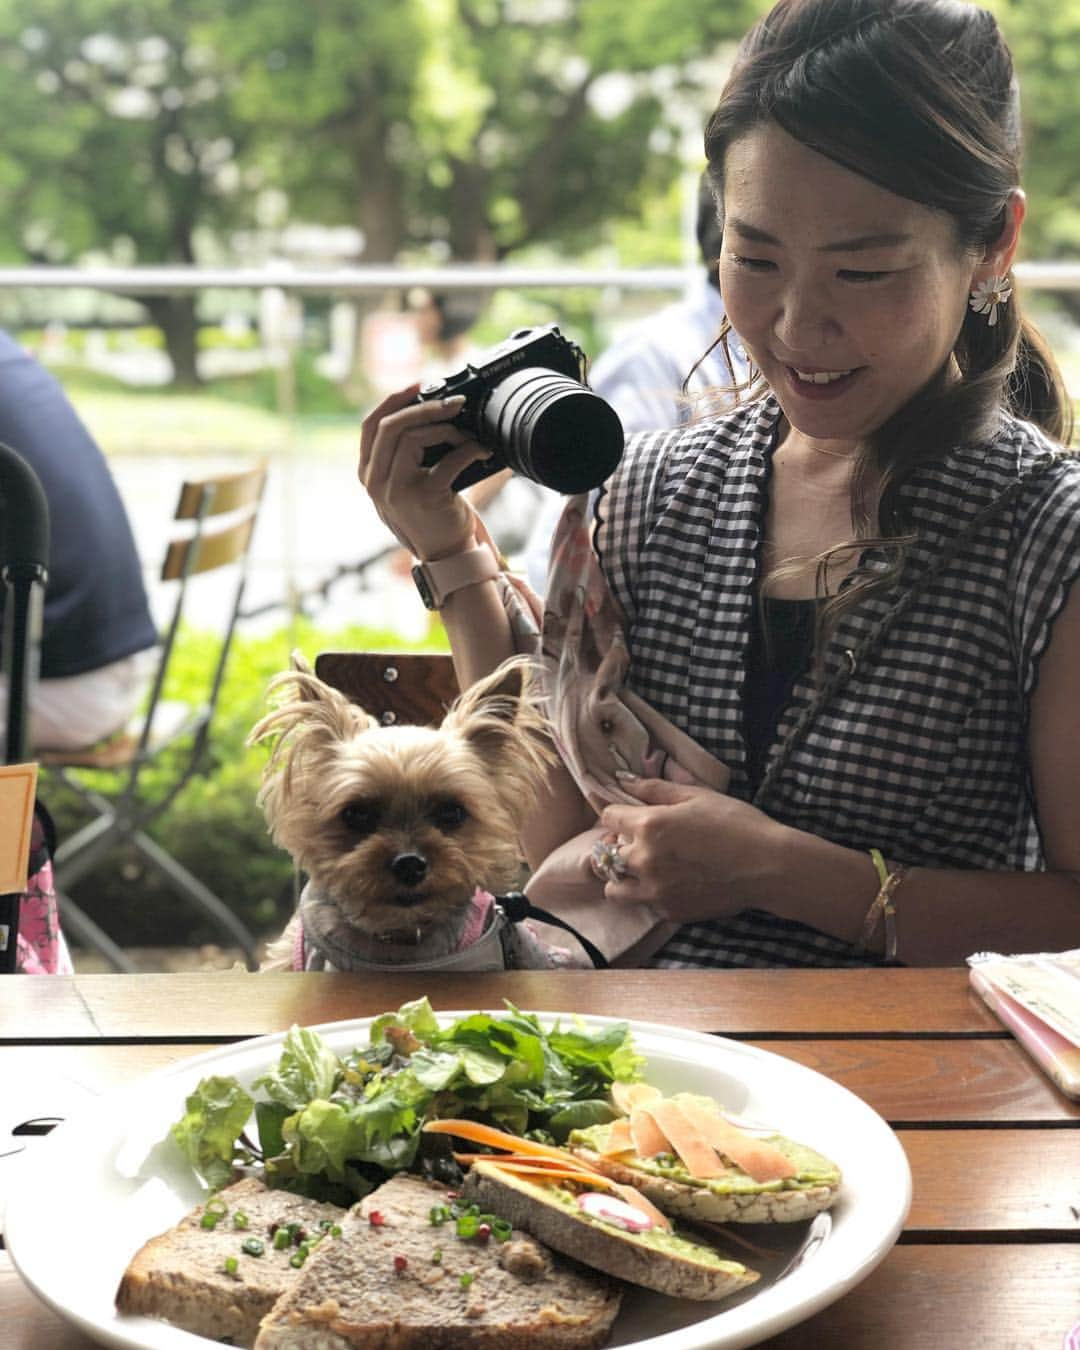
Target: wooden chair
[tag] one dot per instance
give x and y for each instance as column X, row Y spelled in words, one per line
column 212, row 530
column 395, row 687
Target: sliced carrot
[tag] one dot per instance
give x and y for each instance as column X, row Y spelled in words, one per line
column 536, row 1164
column 524, row 1168
column 686, row 1139
column 628, row 1095
column 649, row 1139
column 759, row 1160
column 595, row 1179
column 477, row 1133
column 619, row 1138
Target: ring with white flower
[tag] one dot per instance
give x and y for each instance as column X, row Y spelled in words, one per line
column 987, row 295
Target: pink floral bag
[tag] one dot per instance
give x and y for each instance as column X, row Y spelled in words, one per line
column 40, row 947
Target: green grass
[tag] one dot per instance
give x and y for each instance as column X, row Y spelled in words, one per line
column 237, row 416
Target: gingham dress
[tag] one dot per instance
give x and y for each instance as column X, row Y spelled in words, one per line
column 922, row 753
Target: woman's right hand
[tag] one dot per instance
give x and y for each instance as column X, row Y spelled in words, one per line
column 416, row 503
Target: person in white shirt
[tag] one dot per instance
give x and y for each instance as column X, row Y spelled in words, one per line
column 642, row 373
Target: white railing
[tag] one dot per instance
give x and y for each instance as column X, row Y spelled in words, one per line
column 168, row 280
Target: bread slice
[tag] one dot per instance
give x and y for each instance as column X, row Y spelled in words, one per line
column 180, row 1275
column 394, row 1280
column 666, row 1262
column 733, row 1197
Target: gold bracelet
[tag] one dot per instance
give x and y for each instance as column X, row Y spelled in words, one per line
column 883, row 906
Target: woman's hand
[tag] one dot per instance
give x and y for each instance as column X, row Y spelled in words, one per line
column 416, row 503
column 689, row 852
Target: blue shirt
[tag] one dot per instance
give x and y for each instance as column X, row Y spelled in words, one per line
column 96, row 610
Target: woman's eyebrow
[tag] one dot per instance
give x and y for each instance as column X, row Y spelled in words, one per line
column 877, row 239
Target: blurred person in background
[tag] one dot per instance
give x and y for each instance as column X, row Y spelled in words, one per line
column 642, row 373
column 97, row 629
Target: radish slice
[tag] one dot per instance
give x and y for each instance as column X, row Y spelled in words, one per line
column 614, row 1212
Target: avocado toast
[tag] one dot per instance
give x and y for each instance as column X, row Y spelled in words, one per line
column 685, row 1156
column 588, row 1216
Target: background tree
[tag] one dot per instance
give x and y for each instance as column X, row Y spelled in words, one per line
column 118, row 136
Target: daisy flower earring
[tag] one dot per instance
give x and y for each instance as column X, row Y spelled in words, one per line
column 988, row 294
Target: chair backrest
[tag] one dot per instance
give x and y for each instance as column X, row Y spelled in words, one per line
column 395, row 687
column 204, row 542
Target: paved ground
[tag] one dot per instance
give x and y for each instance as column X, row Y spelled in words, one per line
column 167, row 960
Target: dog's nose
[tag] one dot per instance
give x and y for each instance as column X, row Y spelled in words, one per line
column 409, row 868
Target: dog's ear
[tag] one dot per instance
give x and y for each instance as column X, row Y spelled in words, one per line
column 308, row 708
column 501, row 722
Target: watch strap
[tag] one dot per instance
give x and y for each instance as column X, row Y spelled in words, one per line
column 438, row 580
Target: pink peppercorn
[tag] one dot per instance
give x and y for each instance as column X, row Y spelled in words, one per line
column 401, row 1263
column 483, row 1232
column 375, row 1218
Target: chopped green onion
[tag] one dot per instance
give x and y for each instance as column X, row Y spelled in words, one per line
column 215, row 1205
column 232, row 1265
column 326, row 1224
column 298, row 1258
column 241, row 1220
column 209, row 1220
column 438, row 1214
column 501, row 1230
column 335, row 1230
column 253, row 1246
column 466, row 1279
column 436, row 1257
column 281, row 1239
column 467, row 1226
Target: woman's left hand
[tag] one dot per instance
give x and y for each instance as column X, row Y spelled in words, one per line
column 690, row 852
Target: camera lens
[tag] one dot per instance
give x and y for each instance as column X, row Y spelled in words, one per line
column 553, row 430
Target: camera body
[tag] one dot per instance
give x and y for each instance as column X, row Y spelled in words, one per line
column 526, row 401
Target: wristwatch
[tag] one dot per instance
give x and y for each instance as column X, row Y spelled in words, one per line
column 437, row 580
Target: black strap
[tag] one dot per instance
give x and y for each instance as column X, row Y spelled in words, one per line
column 517, row 906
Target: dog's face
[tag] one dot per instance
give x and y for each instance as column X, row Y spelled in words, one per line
column 401, row 824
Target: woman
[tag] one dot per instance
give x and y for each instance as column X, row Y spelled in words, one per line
column 855, row 588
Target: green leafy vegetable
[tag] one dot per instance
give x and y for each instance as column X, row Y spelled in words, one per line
column 330, row 1123
column 215, row 1116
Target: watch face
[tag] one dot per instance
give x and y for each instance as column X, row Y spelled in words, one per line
column 424, row 587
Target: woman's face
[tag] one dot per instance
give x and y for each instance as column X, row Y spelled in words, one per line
column 826, row 275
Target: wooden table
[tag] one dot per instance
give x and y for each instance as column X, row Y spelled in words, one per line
column 990, row 1254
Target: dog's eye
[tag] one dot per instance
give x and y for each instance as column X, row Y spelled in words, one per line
column 360, row 817
column 449, row 815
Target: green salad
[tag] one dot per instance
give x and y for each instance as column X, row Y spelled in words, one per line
column 335, row 1126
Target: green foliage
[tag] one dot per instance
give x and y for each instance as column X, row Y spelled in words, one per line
column 214, row 827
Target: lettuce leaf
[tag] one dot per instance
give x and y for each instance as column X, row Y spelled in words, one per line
column 214, row 1118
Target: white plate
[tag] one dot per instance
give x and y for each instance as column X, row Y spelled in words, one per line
column 95, row 1189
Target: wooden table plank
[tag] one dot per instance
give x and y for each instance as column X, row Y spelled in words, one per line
column 742, row 1003
column 994, row 1181
column 966, row 1181
column 919, row 1298
column 1011, row 1297
column 927, row 1081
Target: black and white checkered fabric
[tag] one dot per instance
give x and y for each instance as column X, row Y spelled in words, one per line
column 922, row 753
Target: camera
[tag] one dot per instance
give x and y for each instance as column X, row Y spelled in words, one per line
column 526, row 401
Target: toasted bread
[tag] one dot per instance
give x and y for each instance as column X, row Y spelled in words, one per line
column 180, row 1275
column 664, row 1261
column 394, row 1280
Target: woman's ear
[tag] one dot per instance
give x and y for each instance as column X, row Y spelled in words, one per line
column 999, row 255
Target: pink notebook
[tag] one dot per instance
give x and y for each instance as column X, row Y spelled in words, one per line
column 1038, row 998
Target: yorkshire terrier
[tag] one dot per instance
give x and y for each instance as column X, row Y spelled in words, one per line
column 406, row 833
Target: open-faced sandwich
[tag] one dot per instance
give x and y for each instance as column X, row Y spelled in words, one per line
column 584, row 1214
column 687, row 1157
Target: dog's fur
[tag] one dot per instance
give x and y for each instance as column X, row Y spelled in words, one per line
column 400, row 825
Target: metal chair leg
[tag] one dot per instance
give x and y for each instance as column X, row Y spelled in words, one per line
column 200, row 896
column 80, row 926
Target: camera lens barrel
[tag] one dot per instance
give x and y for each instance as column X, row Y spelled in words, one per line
column 553, row 430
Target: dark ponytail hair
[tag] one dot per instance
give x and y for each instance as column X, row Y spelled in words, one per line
column 919, row 97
